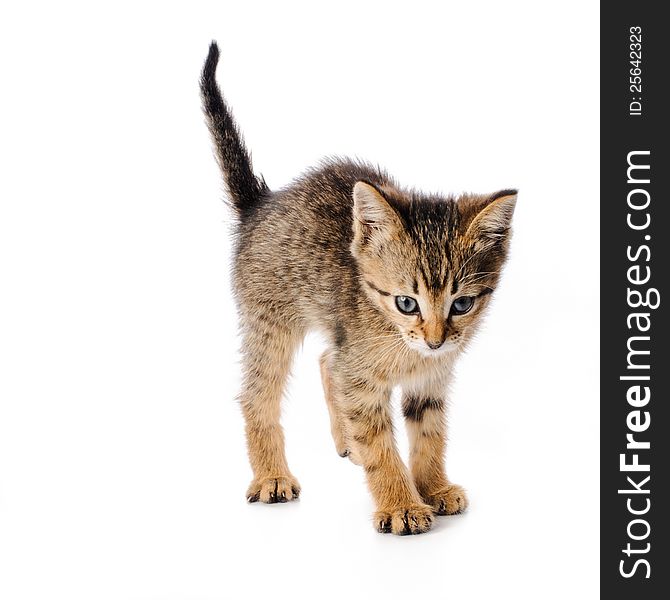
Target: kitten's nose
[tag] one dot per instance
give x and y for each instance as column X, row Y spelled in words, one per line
column 434, row 345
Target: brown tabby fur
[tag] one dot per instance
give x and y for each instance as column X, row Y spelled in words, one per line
column 330, row 253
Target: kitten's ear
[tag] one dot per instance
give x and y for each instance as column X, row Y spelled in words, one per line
column 495, row 219
column 373, row 215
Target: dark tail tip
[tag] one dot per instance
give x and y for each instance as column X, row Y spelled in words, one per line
column 209, row 70
column 245, row 189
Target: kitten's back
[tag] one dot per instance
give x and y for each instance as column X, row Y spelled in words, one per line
column 296, row 241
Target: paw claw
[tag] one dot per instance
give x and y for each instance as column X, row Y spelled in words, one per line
column 384, row 526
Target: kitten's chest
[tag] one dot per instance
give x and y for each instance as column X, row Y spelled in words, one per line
column 419, row 373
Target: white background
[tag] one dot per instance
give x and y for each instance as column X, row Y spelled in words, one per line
column 122, row 459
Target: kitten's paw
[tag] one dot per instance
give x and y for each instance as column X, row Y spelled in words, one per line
column 411, row 519
column 449, row 500
column 341, row 445
column 352, row 455
column 273, row 489
column 345, row 451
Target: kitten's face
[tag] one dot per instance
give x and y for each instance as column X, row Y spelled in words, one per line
column 430, row 265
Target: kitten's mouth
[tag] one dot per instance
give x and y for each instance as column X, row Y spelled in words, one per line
column 422, row 348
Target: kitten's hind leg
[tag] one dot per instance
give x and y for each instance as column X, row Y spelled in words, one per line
column 268, row 350
column 337, row 419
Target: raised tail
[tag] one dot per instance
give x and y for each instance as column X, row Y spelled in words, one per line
column 245, row 189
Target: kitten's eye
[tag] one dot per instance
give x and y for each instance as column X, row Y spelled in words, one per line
column 462, row 305
column 407, row 305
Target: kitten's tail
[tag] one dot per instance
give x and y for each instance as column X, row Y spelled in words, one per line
column 245, row 189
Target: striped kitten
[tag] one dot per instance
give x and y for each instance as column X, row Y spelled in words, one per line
column 396, row 280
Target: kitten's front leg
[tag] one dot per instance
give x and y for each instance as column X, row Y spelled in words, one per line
column 424, row 413
column 400, row 509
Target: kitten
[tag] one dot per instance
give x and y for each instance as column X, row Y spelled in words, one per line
column 396, row 280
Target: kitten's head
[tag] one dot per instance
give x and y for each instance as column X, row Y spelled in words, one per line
column 430, row 264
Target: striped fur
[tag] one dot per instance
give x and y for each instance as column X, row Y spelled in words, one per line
column 331, row 252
